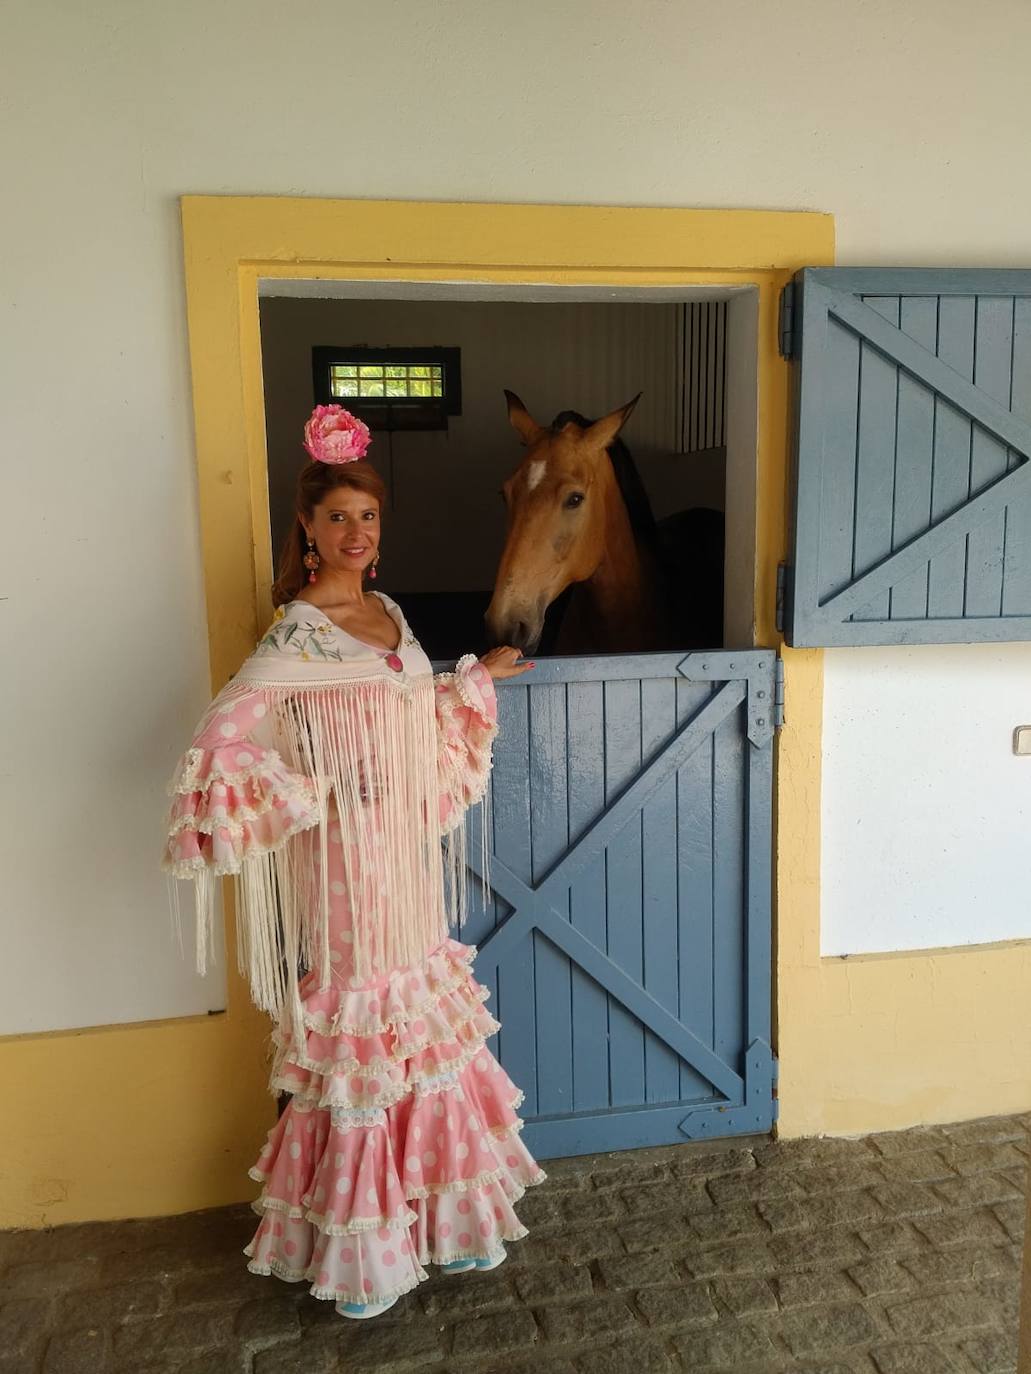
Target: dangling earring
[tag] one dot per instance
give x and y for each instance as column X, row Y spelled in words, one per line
column 311, row 560
column 372, row 569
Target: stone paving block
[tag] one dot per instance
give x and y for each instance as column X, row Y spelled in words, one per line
column 995, row 1353
column 540, row 1208
column 818, row 1213
column 976, row 1190
column 639, row 1356
column 925, row 1166
column 804, row 1154
column 1012, row 1216
column 578, row 1245
column 729, row 1223
column 316, row 1353
column 131, row 1266
column 894, row 1143
column 913, row 1359
column 836, row 1178
column 268, row 1320
column 482, row 1336
column 217, row 1362
column 643, row 1235
column 629, row 1176
column 23, row 1323
column 57, row 1276
column 179, row 1332
column 713, row 1163
column 676, row 1196
column 751, row 1257
column 935, row 1267
column 820, row 1331
column 892, row 1237
column 989, row 1130
column 549, row 1282
column 907, row 1199
column 753, row 1186
column 77, row 1352
column 879, row 1276
column 798, row 1251
column 367, row 1346
column 981, row 1159
column 963, row 1228
column 744, row 1297
column 807, row 1290
column 230, row 1284
column 1018, row 1177
column 581, row 1208
column 729, row 1343
column 470, row 1298
column 109, row 1306
column 677, row 1305
column 574, row 1323
column 955, row 1310
column 553, row 1365
column 636, row 1271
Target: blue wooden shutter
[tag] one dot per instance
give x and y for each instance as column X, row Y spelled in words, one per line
column 913, row 499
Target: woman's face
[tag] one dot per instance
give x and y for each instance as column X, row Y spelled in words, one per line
column 346, row 530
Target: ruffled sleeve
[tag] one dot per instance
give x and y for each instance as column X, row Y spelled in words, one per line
column 466, row 709
column 235, row 805
column 232, row 798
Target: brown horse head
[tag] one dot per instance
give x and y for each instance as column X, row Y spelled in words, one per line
column 565, row 517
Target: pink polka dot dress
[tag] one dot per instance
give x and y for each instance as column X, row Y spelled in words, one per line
column 400, row 1145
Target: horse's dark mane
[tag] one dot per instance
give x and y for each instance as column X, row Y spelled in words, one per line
column 635, row 498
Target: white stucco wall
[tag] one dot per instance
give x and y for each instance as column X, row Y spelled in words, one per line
column 926, row 809
column 906, row 122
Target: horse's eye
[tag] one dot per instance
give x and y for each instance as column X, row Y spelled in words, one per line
column 574, row 499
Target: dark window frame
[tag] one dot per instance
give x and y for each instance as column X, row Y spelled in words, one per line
column 392, row 412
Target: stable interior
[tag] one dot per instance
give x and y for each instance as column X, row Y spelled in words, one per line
column 690, row 352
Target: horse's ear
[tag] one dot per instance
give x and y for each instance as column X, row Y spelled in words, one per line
column 603, row 431
column 521, row 420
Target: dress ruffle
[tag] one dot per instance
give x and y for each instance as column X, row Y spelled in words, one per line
column 233, row 801
column 400, row 1146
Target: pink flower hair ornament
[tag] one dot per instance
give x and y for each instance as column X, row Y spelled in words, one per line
column 333, row 435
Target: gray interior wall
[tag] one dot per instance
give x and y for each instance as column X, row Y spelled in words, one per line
column 445, row 527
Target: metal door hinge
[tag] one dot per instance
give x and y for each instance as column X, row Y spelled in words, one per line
column 778, row 694
column 784, row 589
column 786, row 321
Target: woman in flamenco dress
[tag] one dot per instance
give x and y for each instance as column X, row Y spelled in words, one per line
column 323, row 778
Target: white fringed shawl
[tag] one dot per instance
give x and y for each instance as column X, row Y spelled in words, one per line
column 318, row 731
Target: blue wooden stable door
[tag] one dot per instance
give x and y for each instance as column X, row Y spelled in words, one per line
column 913, row 499
column 626, row 942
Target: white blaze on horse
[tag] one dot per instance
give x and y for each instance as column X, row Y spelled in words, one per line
column 579, row 519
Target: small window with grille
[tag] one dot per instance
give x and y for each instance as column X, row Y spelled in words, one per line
column 391, row 388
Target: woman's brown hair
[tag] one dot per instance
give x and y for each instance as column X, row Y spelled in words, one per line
column 314, row 484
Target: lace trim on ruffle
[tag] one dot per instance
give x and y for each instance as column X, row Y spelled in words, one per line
column 283, row 1271
column 462, row 667
column 317, row 1021
column 242, row 813
column 189, row 779
column 449, row 1256
column 226, row 868
column 319, row 1220
column 458, row 1185
column 327, row 1094
column 478, row 1017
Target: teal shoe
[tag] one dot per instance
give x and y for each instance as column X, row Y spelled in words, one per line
column 459, row 1266
column 361, row 1310
column 499, row 1258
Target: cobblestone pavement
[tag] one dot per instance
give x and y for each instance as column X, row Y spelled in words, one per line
column 895, row 1254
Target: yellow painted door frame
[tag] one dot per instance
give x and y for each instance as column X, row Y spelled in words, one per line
column 190, row 1100
column 232, row 243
